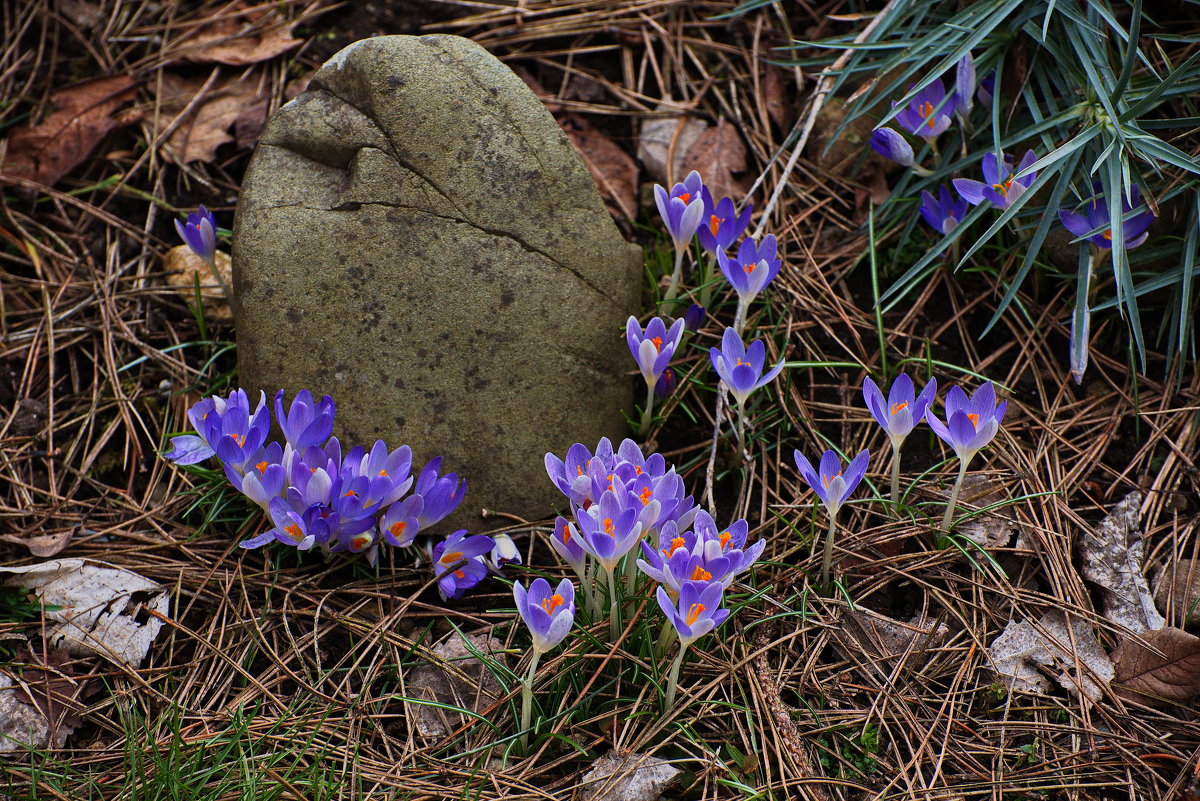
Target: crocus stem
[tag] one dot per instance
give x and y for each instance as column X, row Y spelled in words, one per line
column 896, row 477
column 827, row 556
column 527, row 700
column 212, row 266
column 614, row 608
column 673, row 287
column 741, row 432
column 664, row 639
column 962, row 473
column 673, row 677
column 706, row 289
column 647, row 412
column 739, row 319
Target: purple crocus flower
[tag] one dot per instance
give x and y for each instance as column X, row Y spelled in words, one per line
column 305, row 423
column 943, row 213
column 666, row 384
column 1096, row 217
column 970, row 423
column 964, row 85
column 653, row 347
column 386, row 473
column 207, row 417
column 610, row 533
column 458, row 563
column 549, row 615
column 720, row 224
column 302, row 530
column 564, row 539
column 693, row 318
column 893, row 146
column 399, row 524
column 741, row 368
column 987, row 88
column 267, row 476
column 700, row 555
column 832, row 484
column 928, row 114
column 900, row 413
column 754, row 268
column 698, row 611
column 200, row 234
column 998, row 186
column 439, row 496
column 682, row 209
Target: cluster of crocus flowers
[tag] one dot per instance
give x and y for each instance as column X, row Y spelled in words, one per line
column 319, row 497
column 621, row 500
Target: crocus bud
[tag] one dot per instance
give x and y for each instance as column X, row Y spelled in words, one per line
column 693, row 318
column 504, row 552
column 893, row 146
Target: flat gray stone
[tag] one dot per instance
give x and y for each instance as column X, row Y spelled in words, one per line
column 417, row 238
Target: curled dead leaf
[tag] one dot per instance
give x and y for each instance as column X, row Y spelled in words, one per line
column 183, row 267
column 1113, row 555
column 238, row 36
column 43, row 545
column 230, row 109
column 83, row 115
column 654, row 142
column 1159, row 668
column 717, row 154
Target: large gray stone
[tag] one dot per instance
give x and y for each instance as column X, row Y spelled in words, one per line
column 417, row 238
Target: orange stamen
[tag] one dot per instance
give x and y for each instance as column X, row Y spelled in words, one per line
column 262, row 467
column 714, row 224
column 826, row 479
column 694, row 612
column 974, row 418
column 749, row 268
column 685, row 196
column 657, row 343
column 240, row 439
column 926, row 110
column 566, row 534
column 362, row 541
column 676, row 544
column 700, row 574
column 397, row 528
column 725, row 537
column 294, row 532
column 552, row 603
column 898, row 407
column 608, row 527
column 451, row 558
column 646, row 493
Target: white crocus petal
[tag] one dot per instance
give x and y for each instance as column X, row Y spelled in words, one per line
column 647, row 353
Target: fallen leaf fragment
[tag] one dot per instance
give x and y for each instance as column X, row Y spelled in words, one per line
column 613, row 170
column 43, row 545
column 23, row 726
column 1074, row 653
column 459, row 679
column 778, row 109
column 881, row 638
column 1178, row 589
column 182, row 267
column 83, row 115
column 1159, row 668
column 1113, row 557
column 102, row 609
column 717, row 154
column 989, row 530
column 234, row 109
column 654, row 142
column 635, row 777
column 238, row 36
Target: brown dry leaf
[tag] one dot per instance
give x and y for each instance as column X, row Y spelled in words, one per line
column 778, row 109
column 613, row 170
column 240, row 104
column 84, row 114
column 1178, row 589
column 717, row 154
column 657, row 134
column 238, row 36
column 44, row 545
column 1159, row 668
column 183, row 267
